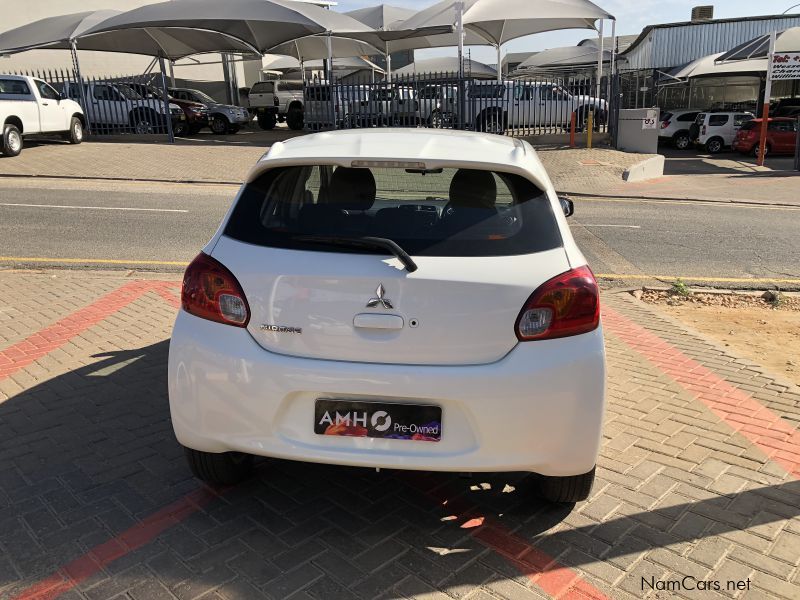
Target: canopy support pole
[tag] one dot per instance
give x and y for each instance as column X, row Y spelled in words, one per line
column 73, row 46
column 762, row 144
column 170, row 133
column 499, row 66
column 329, row 44
column 613, row 61
column 461, row 87
column 388, row 63
column 600, row 59
column 172, row 73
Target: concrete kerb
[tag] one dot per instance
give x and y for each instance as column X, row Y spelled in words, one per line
column 650, row 168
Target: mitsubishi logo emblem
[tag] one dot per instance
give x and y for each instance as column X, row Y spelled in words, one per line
column 379, row 300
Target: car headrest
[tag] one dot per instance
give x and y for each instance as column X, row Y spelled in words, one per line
column 470, row 188
column 352, row 189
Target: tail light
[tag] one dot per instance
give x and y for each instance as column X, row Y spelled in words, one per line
column 664, row 124
column 276, row 101
column 210, row 291
column 704, row 130
column 566, row 305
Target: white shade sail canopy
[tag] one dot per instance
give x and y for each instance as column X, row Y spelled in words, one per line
column 448, row 64
column 787, row 40
column 499, row 21
column 59, row 33
column 571, row 56
column 288, row 64
column 315, row 47
column 708, row 66
column 390, row 20
column 262, row 24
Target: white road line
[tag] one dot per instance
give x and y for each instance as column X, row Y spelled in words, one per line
column 617, row 226
column 128, row 208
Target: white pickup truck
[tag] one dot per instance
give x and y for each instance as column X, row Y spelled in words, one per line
column 30, row 106
column 277, row 101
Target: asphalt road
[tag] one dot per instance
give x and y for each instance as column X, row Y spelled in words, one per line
column 81, row 224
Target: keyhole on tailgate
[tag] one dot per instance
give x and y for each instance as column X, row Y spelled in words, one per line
column 413, row 323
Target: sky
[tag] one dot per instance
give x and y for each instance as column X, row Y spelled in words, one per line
column 632, row 16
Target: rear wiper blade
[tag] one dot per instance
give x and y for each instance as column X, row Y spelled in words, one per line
column 363, row 242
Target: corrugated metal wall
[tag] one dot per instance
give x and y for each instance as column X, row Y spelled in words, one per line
column 674, row 46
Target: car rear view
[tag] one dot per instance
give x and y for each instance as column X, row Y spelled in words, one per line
column 420, row 312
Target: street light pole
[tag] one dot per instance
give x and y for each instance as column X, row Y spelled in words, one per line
column 762, row 145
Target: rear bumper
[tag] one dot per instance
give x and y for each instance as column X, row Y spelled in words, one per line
column 538, row 409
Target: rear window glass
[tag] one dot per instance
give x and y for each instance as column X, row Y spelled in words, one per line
column 717, row 120
column 749, row 125
column 688, row 117
column 291, row 86
column 14, row 86
column 263, row 87
column 452, row 212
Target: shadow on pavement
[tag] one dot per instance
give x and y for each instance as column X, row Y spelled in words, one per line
column 90, row 453
column 694, row 162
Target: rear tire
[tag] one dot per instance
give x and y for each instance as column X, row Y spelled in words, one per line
column 267, row 121
column 294, row 119
column 567, row 489
column 681, row 140
column 12, row 141
column 227, row 468
column 714, row 146
column 180, row 129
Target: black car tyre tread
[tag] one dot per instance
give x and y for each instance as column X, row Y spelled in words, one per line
column 294, row 119
column 226, row 468
column 267, row 121
column 567, row 489
column 711, row 147
column 678, row 140
column 9, row 149
column 220, row 125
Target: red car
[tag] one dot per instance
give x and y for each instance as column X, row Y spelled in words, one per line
column 781, row 136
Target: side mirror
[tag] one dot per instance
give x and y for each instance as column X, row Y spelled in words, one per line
column 62, row 96
column 567, row 205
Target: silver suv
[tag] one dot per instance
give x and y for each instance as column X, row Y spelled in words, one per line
column 714, row 131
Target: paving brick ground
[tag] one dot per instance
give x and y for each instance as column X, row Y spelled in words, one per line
column 698, row 479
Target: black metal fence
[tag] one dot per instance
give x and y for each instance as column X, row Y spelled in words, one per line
column 520, row 107
column 119, row 104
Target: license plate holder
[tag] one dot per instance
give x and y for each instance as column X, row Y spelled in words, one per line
column 374, row 419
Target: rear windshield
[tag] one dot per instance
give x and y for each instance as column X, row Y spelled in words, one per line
column 448, row 212
column 748, row 125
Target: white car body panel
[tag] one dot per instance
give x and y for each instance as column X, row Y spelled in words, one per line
column 506, row 405
column 38, row 115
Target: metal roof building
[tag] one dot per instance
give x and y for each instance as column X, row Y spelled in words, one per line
column 674, row 44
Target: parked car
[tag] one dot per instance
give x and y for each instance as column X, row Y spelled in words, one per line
column 675, row 126
column 277, row 101
column 318, row 110
column 116, row 105
column 393, row 105
column 30, row 106
column 437, row 104
column 494, row 107
column 781, row 136
column 787, row 107
column 393, row 298
column 715, row 131
column 195, row 113
column 223, row 118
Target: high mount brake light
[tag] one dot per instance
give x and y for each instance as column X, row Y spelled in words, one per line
column 210, row 291
column 566, row 305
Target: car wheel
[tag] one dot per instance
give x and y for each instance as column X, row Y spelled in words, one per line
column 226, row 468
column 12, row 141
column 294, row 119
column 267, row 121
column 566, row 489
column 219, row 125
column 757, row 150
column 180, row 129
column 234, row 128
column 436, row 120
column 143, row 122
column 491, row 122
column 681, row 140
column 714, row 146
column 75, row 133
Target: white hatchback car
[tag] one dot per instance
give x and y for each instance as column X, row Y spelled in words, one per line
column 393, row 298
